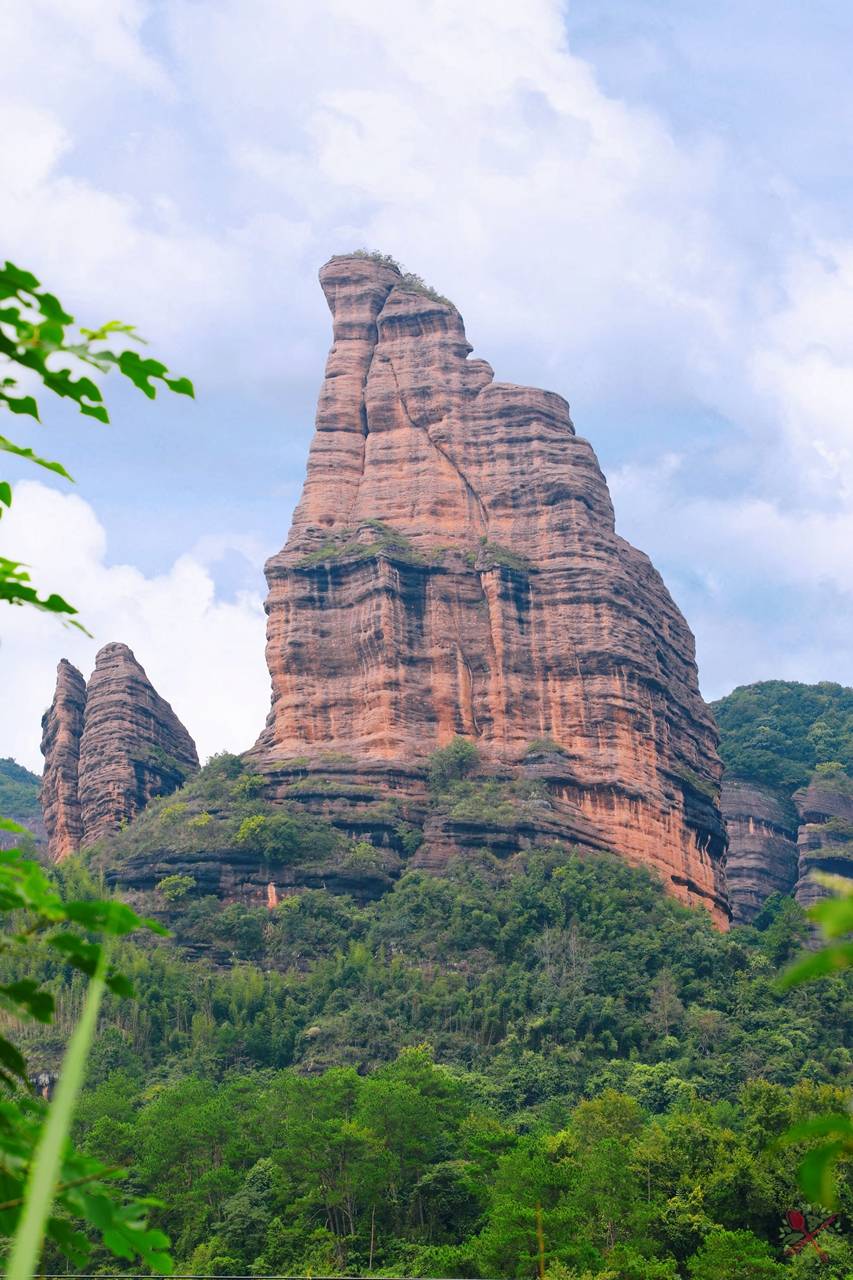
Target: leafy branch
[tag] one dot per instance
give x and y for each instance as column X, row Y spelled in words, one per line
column 37, row 1164
column 44, row 1183
column 36, row 337
column 834, row 916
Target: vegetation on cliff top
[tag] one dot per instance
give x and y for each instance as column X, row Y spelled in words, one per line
column 409, row 280
column 221, row 809
column 777, row 732
column 371, row 538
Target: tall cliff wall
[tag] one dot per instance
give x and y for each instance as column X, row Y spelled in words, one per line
column 453, row 569
column 762, row 858
column 62, row 729
column 109, row 747
column 825, row 838
column 787, row 795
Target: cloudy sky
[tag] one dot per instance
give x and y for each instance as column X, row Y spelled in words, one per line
column 641, row 205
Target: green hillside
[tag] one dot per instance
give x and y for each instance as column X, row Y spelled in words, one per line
column 19, row 791
column 777, row 731
column 328, row 1087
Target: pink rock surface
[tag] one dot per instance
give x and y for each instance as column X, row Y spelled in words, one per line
column 453, row 568
column 109, row 747
column 62, row 729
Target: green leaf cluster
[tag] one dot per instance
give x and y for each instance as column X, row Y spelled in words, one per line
column 38, row 345
column 39, row 920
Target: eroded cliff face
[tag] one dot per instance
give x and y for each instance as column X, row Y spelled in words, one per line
column 62, row 729
column 825, row 838
column 453, row 569
column 762, row 856
column 109, row 747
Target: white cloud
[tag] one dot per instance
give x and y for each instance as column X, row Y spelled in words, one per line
column 188, row 166
column 768, row 589
column 203, row 654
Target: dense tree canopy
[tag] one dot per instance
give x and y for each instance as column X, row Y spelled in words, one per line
column 327, row 1086
column 19, row 792
column 777, row 732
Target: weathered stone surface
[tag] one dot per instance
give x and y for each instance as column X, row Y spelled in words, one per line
column 133, row 747
column 762, row 855
column 62, row 729
column 453, row 568
column 825, row 836
column 109, row 747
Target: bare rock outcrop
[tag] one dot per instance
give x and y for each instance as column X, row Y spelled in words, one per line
column 453, row 569
column 109, row 747
column 62, row 729
column 825, row 836
column 762, row 856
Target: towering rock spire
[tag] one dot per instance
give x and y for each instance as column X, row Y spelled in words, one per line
column 109, row 748
column 133, row 748
column 825, row 838
column 62, row 729
column 453, row 569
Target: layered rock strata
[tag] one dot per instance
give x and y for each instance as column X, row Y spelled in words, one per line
column 62, row 729
column 109, row 747
column 453, row 569
column 825, row 839
column 762, row 856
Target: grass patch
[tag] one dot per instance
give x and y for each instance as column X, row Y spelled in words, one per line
column 494, row 554
column 348, row 544
column 544, row 747
column 703, row 785
column 492, row 801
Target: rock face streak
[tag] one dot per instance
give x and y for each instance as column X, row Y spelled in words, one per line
column 109, row 748
column 825, row 837
column 62, row 729
column 453, row 568
column 762, row 856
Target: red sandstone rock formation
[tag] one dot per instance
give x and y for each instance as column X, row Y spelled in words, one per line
column 762, row 855
column 825, row 837
column 109, row 748
column 453, row 568
column 62, row 728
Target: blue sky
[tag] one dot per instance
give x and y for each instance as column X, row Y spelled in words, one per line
column 641, row 205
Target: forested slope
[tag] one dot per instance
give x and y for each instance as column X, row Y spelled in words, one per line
column 393, row 1085
column 777, row 732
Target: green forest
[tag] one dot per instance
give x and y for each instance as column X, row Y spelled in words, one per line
column 777, row 732
column 19, row 792
column 442, row 1078
column 393, row 1087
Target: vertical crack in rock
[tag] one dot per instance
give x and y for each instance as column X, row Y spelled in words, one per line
column 465, row 482
column 514, row 609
